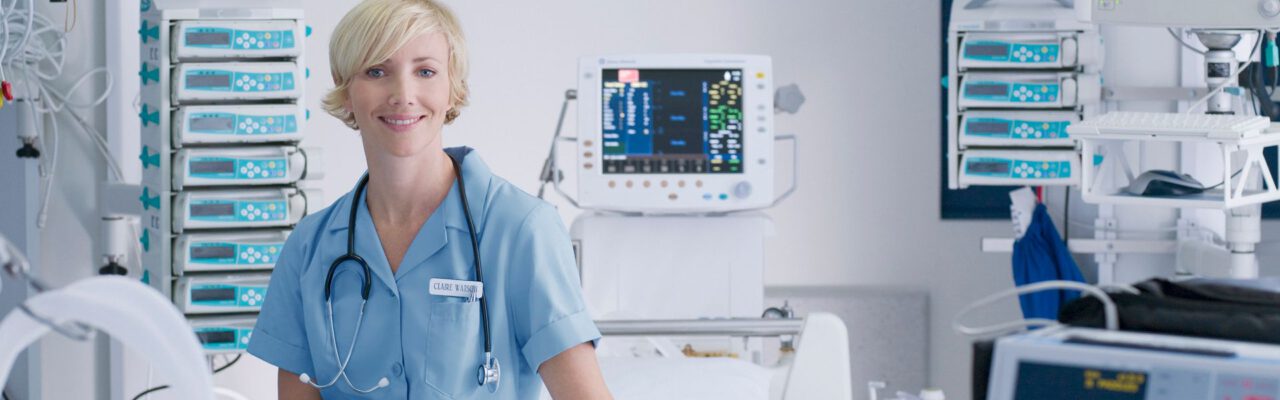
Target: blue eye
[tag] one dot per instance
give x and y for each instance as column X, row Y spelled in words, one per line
column 375, row 72
column 426, row 73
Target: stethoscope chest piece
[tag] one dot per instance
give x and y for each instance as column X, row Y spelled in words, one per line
column 489, row 374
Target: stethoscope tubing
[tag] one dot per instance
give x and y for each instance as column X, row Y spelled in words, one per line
column 368, row 281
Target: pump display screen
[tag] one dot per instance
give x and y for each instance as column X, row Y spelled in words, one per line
column 208, row 81
column 212, row 124
column 987, row 127
column 986, row 50
column 212, row 209
column 986, row 90
column 208, row 38
column 222, row 336
column 213, row 167
column 213, row 252
column 217, row 294
column 988, row 167
column 672, row 121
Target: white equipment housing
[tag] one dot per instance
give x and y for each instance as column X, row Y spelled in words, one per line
column 1031, row 167
column 1216, row 14
column 1020, row 72
column 237, row 124
column 707, row 267
column 675, row 133
column 1016, row 129
column 210, row 102
column 241, row 166
column 196, row 40
column 222, row 252
column 1080, row 363
column 1028, row 90
column 239, row 209
column 205, row 294
column 237, row 81
column 219, row 335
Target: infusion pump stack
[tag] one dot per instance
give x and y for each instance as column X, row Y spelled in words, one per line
column 1019, row 72
column 222, row 117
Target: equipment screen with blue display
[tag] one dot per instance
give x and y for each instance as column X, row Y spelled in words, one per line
column 672, row 121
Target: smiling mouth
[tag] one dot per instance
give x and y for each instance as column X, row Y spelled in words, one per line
column 400, row 122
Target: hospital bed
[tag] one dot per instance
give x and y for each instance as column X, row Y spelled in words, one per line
column 817, row 368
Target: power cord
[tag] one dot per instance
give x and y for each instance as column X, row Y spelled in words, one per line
column 163, row 387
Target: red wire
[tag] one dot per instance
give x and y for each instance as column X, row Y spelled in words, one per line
column 1039, row 194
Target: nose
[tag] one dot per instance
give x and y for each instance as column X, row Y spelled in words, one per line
column 400, row 93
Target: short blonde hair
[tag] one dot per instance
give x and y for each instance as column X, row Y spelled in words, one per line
column 372, row 31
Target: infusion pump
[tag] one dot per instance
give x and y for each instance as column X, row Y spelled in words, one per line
column 1019, row 74
column 224, row 176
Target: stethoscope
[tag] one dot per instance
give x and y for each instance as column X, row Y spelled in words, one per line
column 489, row 371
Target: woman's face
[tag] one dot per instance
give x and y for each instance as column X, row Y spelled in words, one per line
column 400, row 104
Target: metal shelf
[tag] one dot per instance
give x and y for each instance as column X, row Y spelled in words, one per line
column 1105, row 153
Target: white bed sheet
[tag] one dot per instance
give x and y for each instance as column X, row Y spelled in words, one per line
column 631, row 378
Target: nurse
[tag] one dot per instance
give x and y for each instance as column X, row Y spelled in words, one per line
column 433, row 278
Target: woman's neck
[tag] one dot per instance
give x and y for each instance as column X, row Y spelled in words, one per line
column 403, row 190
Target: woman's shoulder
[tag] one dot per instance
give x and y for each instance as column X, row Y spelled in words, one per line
column 309, row 229
column 511, row 207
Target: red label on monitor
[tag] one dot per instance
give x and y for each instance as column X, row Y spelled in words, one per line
column 628, row 75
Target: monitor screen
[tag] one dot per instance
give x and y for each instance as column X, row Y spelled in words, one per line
column 208, row 38
column 989, row 50
column 672, row 121
column 988, row 127
column 986, row 89
column 208, row 80
column 213, row 209
column 215, row 166
column 214, row 124
column 205, row 252
column 1045, row 381
column 213, row 294
column 216, row 336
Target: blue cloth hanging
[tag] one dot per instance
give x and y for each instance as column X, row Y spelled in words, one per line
column 1041, row 255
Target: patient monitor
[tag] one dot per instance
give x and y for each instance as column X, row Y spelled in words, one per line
column 675, row 133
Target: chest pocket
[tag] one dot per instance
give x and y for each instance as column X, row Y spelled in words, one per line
column 455, row 347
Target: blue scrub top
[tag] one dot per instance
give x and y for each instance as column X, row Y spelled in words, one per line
column 429, row 346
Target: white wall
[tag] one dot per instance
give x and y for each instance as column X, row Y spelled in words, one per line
column 867, row 212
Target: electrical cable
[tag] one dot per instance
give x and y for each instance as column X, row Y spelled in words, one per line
column 1184, row 43
column 228, row 364
column 1066, row 215
column 37, row 53
column 150, row 391
column 74, row 10
column 163, row 387
column 1111, row 316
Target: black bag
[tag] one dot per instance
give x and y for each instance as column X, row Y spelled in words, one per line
column 1231, row 309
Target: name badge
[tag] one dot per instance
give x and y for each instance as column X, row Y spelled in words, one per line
column 471, row 290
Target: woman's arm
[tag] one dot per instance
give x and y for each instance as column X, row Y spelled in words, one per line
column 574, row 374
column 290, row 388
